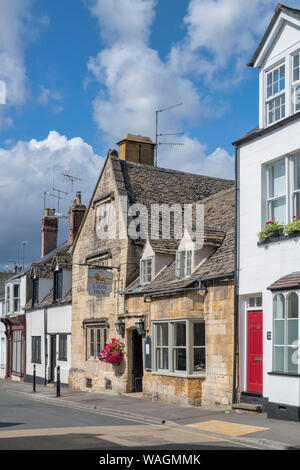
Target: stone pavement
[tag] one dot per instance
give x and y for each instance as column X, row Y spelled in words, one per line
column 242, row 426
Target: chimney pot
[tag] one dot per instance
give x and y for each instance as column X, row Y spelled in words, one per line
column 137, row 149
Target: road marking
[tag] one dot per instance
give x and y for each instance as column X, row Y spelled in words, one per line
column 226, row 428
column 131, row 435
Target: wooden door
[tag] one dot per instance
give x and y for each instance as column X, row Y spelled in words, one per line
column 255, row 352
column 137, row 366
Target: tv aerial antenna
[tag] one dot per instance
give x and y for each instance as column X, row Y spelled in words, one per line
column 158, row 134
column 71, row 179
column 57, row 196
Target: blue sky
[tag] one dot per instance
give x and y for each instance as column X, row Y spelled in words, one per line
column 80, row 74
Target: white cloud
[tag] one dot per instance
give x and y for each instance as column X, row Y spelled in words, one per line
column 221, row 37
column 193, row 157
column 137, row 82
column 52, row 98
column 125, row 20
column 13, row 16
column 26, row 172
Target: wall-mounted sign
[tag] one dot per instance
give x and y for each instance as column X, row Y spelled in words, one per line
column 99, row 282
column 269, row 335
column 148, row 353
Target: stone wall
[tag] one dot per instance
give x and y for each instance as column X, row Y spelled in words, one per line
column 214, row 387
column 86, row 307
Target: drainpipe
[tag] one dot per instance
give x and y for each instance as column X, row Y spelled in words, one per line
column 45, row 343
column 235, row 384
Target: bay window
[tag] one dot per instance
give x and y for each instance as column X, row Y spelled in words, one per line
column 7, row 300
column 179, row 347
column 16, row 297
column 286, row 332
column 275, row 94
column 162, row 346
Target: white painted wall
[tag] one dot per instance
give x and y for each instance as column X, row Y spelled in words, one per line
column 58, row 320
column 2, row 343
column 261, row 266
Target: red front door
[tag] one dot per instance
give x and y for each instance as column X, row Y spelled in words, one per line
column 255, row 351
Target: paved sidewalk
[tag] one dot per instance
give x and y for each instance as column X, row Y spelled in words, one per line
column 246, row 427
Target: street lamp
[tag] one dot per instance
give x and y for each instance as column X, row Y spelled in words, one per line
column 140, row 326
column 120, row 327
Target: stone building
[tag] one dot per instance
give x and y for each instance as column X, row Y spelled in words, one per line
column 186, row 287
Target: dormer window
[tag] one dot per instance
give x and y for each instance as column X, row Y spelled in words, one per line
column 146, row 270
column 16, row 298
column 35, row 292
column 57, row 288
column 275, row 94
column 7, row 299
column 184, row 263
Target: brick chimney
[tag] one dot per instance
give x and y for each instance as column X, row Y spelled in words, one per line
column 137, row 149
column 49, row 231
column 76, row 214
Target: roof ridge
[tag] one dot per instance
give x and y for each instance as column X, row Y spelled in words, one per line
column 220, row 193
column 169, row 170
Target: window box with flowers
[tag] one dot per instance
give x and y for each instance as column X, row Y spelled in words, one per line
column 272, row 231
column 293, row 229
column 113, row 352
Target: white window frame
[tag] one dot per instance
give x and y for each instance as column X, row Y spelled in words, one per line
column 102, row 330
column 143, row 279
column 7, row 299
column 291, row 191
column 257, row 304
column 295, row 83
column 285, row 294
column 190, row 347
column 274, row 96
column 16, row 299
column 103, row 211
column 185, row 272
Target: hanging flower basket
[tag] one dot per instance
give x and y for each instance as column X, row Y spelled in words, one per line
column 113, row 352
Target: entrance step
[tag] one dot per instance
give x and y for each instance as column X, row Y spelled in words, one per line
column 247, row 407
column 254, row 399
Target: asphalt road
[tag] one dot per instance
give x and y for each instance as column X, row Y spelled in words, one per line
column 26, row 424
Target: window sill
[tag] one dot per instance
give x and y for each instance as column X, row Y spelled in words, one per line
column 199, row 375
column 279, row 238
column 284, row 374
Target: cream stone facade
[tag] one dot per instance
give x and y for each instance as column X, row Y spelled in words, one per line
column 214, row 305
column 129, row 303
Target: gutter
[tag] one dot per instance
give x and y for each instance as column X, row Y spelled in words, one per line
column 181, row 289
